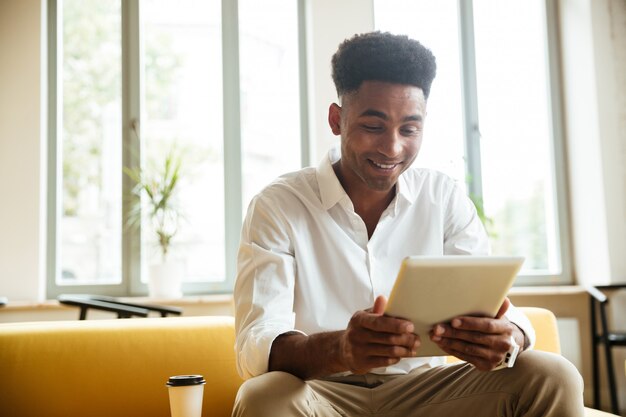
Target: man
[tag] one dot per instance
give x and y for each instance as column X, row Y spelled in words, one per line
column 320, row 250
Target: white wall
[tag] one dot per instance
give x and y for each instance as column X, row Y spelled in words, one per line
column 593, row 36
column 330, row 22
column 22, row 149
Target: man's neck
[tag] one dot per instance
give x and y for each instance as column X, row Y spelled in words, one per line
column 368, row 204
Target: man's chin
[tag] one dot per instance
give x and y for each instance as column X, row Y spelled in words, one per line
column 381, row 185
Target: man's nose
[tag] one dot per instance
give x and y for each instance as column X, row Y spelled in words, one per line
column 390, row 144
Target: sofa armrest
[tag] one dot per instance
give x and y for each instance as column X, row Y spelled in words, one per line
column 114, row 367
column 544, row 323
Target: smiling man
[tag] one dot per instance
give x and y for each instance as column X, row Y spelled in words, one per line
column 320, row 249
column 381, row 127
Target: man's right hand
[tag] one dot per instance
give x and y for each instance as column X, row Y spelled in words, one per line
column 373, row 340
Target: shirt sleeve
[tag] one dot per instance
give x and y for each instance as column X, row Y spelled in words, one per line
column 464, row 234
column 516, row 316
column 264, row 287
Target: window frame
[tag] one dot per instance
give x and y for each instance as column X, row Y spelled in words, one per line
column 132, row 79
column 472, row 133
column 131, row 284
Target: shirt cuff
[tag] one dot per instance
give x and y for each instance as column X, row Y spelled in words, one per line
column 518, row 318
column 253, row 353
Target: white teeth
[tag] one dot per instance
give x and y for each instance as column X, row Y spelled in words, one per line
column 383, row 166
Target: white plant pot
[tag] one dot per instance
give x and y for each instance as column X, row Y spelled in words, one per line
column 165, row 280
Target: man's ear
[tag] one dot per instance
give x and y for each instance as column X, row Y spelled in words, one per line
column 334, row 118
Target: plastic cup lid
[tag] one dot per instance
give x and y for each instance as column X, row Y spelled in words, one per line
column 185, row 380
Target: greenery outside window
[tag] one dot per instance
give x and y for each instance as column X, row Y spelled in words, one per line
column 130, row 82
column 494, row 119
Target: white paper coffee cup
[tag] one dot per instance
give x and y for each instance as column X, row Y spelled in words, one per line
column 185, row 393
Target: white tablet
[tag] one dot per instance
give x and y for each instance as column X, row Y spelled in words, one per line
column 431, row 290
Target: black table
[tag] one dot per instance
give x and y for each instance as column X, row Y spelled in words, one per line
column 123, row 309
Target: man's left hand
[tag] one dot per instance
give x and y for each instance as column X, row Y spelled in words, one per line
column 481, row 341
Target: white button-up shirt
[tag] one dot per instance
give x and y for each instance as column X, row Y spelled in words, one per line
column 305, row 262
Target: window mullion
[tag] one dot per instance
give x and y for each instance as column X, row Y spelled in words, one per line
column 558, row 142
column 131, row 149
column 470, row 98
column 305, row 133
column 233, row 204
column 54, row 174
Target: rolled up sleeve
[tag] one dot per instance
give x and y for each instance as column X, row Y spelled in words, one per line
column 264, row 288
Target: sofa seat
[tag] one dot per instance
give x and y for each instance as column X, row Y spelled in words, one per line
column 114, row 368
column 106, row 368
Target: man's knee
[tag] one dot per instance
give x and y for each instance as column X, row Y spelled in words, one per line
column 550, row 385
column 550, row 370
column 266, row 394
column 550, row 365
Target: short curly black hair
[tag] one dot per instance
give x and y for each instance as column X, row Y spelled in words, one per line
column 382, row 56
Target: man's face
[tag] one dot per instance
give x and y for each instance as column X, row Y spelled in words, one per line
column 381, row 127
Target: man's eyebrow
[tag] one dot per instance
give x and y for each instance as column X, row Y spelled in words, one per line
column 375, row 113
column 413, row 118
column 381, row 115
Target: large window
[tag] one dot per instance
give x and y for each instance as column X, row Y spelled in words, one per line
column 491, row 123
column 135, row 81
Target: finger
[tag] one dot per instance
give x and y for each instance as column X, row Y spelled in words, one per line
column 492, row 341
column 479, row 352
column 482, row 324
column 503, row 308
column 480, row 363
column 379, row 305
column 388, row 351
column 384, row 324
column 408, row 340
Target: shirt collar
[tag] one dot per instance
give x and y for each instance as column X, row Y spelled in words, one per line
column 331, row 191
column 402, row 188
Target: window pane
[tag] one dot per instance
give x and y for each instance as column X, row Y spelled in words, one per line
column 90, row 227
column 434, row 24
column 270, row 107
column 517, row 169
column 183, row 112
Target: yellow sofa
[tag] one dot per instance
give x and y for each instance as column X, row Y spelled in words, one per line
column 119, row 368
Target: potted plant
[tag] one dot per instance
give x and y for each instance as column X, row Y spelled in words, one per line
column 154, row 202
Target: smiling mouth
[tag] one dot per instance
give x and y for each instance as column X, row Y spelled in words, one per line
column 387, row 167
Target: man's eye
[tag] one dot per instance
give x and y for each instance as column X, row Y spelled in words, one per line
column 408, row 131
column 372, row 128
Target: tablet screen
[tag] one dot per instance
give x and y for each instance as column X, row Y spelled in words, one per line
column 431, row 290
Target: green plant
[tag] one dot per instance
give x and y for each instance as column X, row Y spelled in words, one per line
column 486, row 220
column 155, row 199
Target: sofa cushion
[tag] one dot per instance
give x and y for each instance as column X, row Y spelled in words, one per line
column 110, row 368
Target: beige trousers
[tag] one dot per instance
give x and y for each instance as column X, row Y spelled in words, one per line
column 540, row 384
